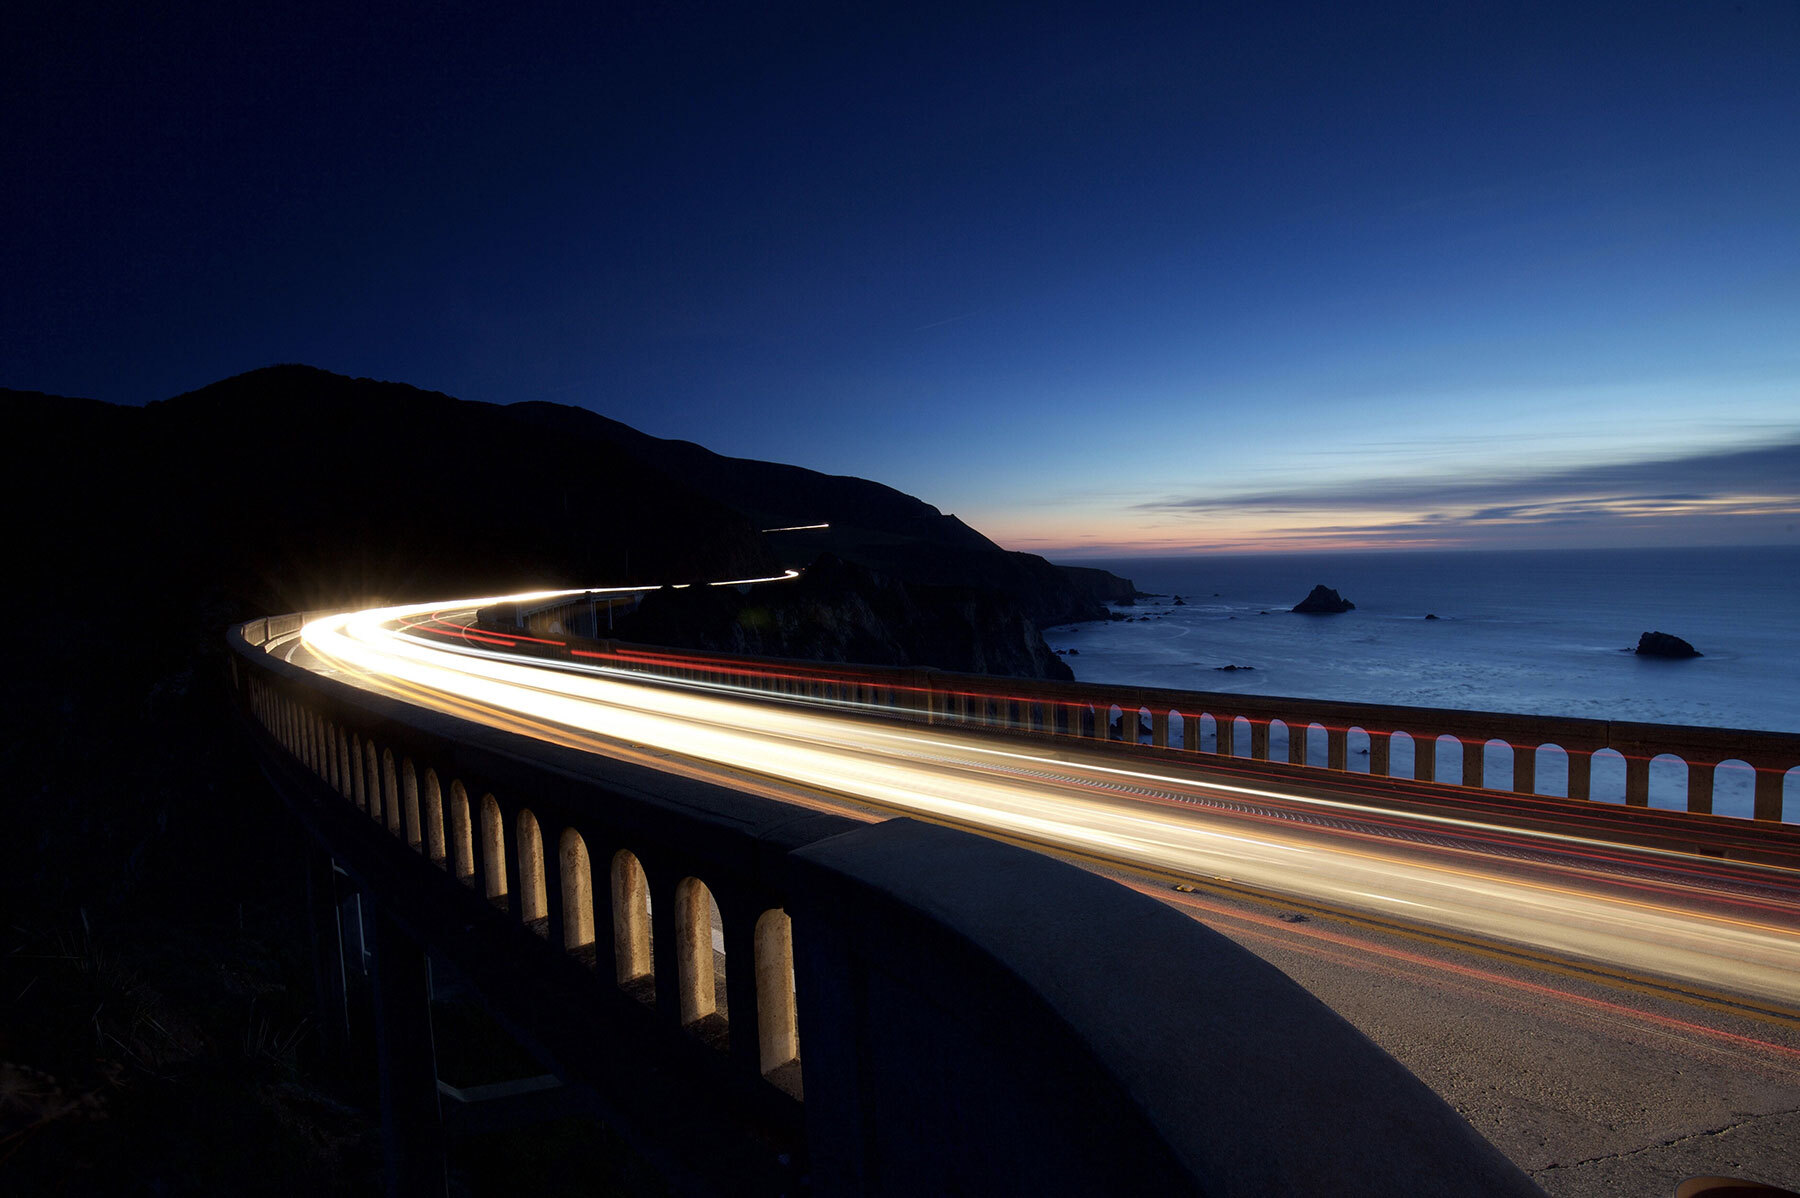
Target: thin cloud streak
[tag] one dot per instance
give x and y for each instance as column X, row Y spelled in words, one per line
column 1699, row 480
column 1744, row 496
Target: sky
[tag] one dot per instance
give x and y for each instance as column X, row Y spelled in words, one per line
column 1100, row 279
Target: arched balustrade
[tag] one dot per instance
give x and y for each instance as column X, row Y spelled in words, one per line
column 1666, row 779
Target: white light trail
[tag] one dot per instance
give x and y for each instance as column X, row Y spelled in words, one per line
column 1678, row 930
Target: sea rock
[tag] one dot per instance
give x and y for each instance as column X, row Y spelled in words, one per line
column 1180, row 602
column 1323, row 601
column 1431, row 615
column 1233, row 667
column 1661, row 644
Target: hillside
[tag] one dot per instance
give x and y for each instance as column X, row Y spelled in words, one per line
column 872, row 525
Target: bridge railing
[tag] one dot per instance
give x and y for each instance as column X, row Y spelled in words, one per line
column 776, row 997
column 1318, row 733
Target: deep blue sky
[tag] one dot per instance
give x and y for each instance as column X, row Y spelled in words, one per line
column 1097, row 278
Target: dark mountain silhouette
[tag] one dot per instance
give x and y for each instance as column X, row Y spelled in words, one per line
column 291, row 488
column 873, row 525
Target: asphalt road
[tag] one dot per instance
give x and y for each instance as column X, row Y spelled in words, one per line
column 1612, row 1018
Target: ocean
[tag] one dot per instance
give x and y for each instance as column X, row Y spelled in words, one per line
column 1548, row 632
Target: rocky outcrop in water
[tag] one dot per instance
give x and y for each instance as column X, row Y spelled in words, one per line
column 1102, row 586
column 1662, row 644
column 1323, row 601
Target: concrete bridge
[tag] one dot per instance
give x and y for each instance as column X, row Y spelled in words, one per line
column 763, row 998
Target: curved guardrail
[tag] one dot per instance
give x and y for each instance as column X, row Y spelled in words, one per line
column 1490, row 750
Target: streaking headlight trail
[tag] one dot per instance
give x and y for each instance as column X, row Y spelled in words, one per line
column 1557, row 896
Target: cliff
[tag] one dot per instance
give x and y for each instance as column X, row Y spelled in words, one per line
column 839, row 611
column 1102, row 586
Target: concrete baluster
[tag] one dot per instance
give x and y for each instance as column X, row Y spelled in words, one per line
column 1700, row 786
column 1425, row 756
column 1581, row 772
column 1224, row 729
column 1637, row 779
column 1337, row 748
column 1299, row 737
column 492, row 871
column 1766, row 798
column 1159, row 727
column 778, row 1032
column 694, row 951
column 1381, row 745
column 1474, row 762
column 1524, row 769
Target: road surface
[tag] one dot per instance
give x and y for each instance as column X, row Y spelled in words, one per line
column 1603, row 1013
